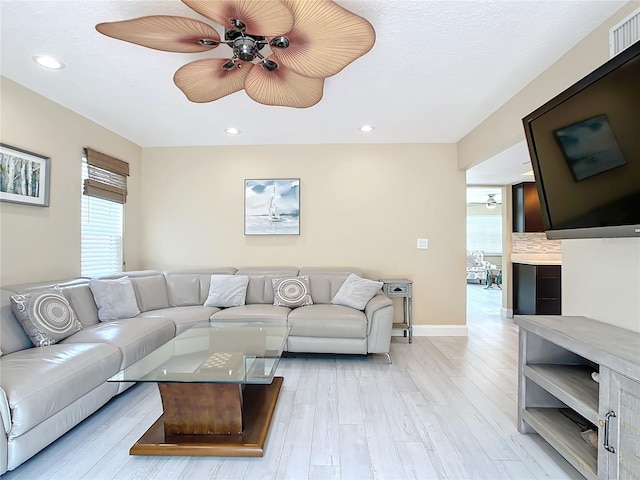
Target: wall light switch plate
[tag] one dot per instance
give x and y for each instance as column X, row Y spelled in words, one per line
column 423, row 243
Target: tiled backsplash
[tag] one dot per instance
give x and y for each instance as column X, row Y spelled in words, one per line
column 534, row 243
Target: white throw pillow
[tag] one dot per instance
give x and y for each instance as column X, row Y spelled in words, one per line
column 114, row 298
column 356, row 292
column 227, row 291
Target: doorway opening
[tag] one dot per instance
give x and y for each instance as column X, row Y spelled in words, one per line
column 485, row 248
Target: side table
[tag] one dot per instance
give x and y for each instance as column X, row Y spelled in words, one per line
column 401, row 288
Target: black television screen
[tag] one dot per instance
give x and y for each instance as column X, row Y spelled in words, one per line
column 589, row 147
column 585, row 150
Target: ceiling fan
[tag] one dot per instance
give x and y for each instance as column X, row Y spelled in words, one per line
column 282, row 50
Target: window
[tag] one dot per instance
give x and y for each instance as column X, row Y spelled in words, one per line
column 104, row 194
column 484, row 232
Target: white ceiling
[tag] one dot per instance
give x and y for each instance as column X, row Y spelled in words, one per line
column 438, row 68
column 506, row 168
column 480, row 195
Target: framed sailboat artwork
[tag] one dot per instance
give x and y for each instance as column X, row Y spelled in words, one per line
column 272, row 206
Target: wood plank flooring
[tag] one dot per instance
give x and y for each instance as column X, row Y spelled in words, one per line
column 445, row 408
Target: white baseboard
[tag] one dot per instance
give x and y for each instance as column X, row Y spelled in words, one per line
column 506, row 312
column 436, row 331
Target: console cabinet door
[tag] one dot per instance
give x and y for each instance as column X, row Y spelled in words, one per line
column 537, row 289
column 624, row 428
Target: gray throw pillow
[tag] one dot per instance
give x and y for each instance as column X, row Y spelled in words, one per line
column 115, row 299
column 356, row 292
column 227, row 291
column 45, row 316
column 292, row 291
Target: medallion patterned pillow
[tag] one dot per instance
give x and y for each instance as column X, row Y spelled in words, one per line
column 45, row 316
column 292, row 291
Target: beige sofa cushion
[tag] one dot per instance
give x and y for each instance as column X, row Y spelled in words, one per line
column 135, row 337
column 183, row 289
column 327, row 321
column 258, row 313
column 325, row 282
column 183, row 317
column 82, row 302
column 180, row 284
column 57, row 376
column 260, row 289
column 151, row 292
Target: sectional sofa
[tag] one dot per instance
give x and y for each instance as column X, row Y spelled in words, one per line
column 47, row 390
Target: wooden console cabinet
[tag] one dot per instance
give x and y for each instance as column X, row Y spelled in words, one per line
column 556, row 392
column 527, row 215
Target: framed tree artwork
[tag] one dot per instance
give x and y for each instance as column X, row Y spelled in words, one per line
column 24, row 177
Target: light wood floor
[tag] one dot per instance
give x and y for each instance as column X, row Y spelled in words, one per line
column 445, row 408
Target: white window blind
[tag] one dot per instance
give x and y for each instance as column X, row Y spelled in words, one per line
column 101, row 245
column 484, row 232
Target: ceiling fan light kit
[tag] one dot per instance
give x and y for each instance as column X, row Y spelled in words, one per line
column 282, row 50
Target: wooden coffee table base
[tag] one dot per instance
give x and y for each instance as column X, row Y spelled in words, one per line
column 258, row 402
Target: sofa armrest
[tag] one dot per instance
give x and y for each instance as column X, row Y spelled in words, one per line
column 379, row 312
column 378, row 301
column 5, row 411
column 5, row 416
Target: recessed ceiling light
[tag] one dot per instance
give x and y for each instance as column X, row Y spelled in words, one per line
column 366, row 128
column 530, row 172
column 232, row 131
column 48, row 62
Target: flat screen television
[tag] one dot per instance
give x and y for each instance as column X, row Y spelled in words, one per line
column 585, row 150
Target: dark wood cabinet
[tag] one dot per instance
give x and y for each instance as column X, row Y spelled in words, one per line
column 537, row 289
column 527, row 216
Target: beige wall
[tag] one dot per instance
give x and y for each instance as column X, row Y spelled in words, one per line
column 600, row 278
column 361, row 205
column 43, row 243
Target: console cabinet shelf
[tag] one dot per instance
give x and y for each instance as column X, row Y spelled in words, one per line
column 559, row 399
column 571, row 384
column 562, row 434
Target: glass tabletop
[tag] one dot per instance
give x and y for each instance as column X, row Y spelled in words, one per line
column 214, row 353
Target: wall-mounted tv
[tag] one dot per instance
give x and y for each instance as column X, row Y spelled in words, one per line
column 585, row 150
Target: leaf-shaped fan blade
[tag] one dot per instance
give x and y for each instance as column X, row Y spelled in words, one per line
column 325, row 38
column 261, row 17
column 163, row 32
column 283, row 87
column 205, row 80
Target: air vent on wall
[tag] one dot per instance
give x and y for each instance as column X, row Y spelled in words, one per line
column 624, row 34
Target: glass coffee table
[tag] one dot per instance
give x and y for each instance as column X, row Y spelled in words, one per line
column 218, row 388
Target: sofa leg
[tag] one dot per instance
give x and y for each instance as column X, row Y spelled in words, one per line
column 389, row 357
